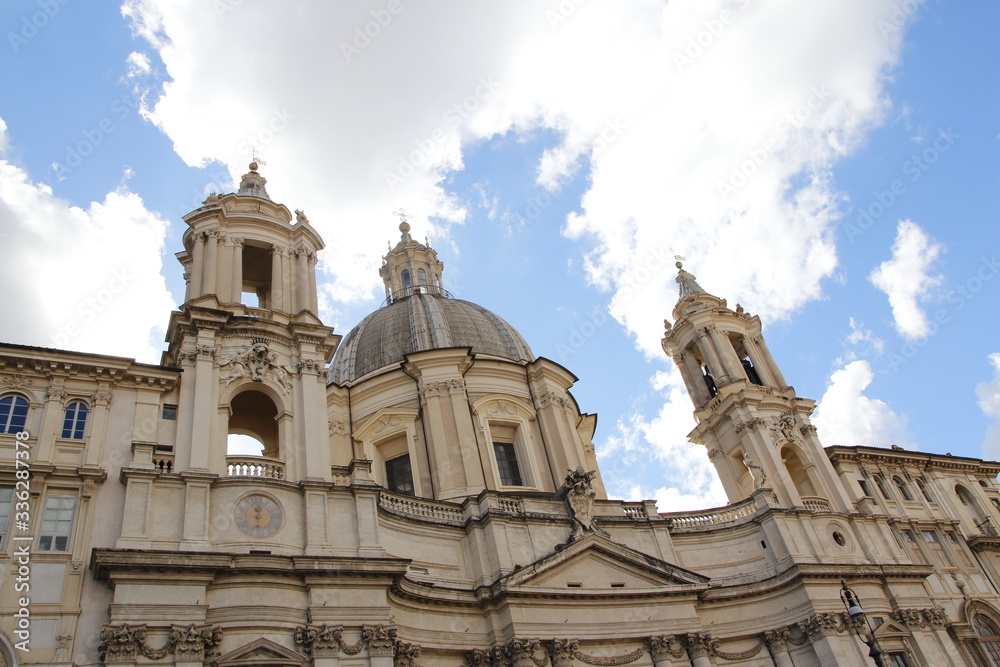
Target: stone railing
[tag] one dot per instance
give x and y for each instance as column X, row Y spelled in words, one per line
column 255, row 466
column 506, row 505
column 694, row 521
column 634, row 510
column 421, row 509
column 816, row 504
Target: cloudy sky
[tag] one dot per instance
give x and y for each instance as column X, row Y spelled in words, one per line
column 830, row 165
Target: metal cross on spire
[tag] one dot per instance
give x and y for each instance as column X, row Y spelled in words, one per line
column 403, row 215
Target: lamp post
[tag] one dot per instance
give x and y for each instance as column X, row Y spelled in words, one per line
column 854, row 610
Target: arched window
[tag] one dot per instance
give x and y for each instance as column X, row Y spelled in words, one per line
column 421, row 277
column 406, row 282
column 989, row 637
column 253, row 414
column 903, row 489
column 75, row 421
column 883, row 487
column 13, row 413
column 924, row 490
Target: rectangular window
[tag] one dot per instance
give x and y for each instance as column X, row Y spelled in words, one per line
column 930, row 537
column 399, row 475
column 898, row 660
column 6, row 507
column 510, row 474
column 57, row 523
column 867, row 490
column 908, row 536
column 170, row 412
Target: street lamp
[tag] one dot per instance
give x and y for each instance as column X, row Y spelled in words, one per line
column 854, row 610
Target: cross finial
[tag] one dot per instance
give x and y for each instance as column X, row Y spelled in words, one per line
column 403, row 215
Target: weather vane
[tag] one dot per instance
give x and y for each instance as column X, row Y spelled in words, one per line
column 678, row 258
column 255, row 158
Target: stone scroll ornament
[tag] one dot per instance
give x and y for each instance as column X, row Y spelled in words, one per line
column 256, row 362
column 580, row 497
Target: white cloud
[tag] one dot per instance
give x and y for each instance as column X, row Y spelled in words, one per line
column 845, row 416
column 989, row 402
column 671, row 144
column 90, row 278
column 906, row 278
column 860, row 339
column 656, row 452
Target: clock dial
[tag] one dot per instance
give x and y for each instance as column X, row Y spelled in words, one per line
column 258, row 516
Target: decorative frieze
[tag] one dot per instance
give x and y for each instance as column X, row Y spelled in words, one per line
column 750, row 424
column 256, row 362
column 15, row 382
column 123, row 643
column 544, row 399
column 935, row 617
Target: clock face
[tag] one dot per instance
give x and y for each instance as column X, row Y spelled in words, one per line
column 258, row 516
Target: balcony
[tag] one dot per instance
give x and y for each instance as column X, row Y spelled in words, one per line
column 255, row 466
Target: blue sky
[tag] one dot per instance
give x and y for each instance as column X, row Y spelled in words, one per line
column 832, row 166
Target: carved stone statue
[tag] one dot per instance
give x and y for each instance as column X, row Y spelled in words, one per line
column 756, row 472
column 580, row 497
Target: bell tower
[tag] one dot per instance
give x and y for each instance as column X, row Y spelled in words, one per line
column 252, row 349
column 756, row 430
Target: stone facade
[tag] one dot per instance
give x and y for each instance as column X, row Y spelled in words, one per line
column 445, row 507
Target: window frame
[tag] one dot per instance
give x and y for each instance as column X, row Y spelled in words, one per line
column 6, row 510
column 390, row 465
column 989, row 644
column 514, row 477
column 75, row 426
column 55, row 531
column 7, row 421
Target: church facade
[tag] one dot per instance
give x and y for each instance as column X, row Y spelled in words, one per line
column 428, row 494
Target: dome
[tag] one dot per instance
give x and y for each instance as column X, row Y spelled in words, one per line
column 424, row 322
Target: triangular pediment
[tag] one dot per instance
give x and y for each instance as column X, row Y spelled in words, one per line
column 260, row 652
column 595, row 563
column 891, row 629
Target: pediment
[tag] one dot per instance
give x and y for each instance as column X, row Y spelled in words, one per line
column 260, row 652
column 595, row 563
column 891, row 629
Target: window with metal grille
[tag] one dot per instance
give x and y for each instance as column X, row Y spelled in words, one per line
column 13, row 413
column 399, row 475
column 510, row 474
column 57, row 523
column 75, row 421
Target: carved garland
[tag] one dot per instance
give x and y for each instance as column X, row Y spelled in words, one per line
column 611, row 660
column 123, row 643
column 328, row 641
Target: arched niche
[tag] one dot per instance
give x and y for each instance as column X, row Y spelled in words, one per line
column 797, row 471
column 254, row 413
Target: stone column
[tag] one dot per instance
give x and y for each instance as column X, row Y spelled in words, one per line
column 711, row 356
column 211, row 263
column 693, row 377
column 760, row 363
column 301, row 280
column 777, row 644
column 99, row 423
column 278, row 285
column 815, row 628
column 762, row 346
column 236, row 282
column 698, row 646
column 664, row 650
column 562, row 652
column 381, row 640
column 201, row 431
column 313, row 294
column 730, row 362
column 197, row 264
column 52, row 420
